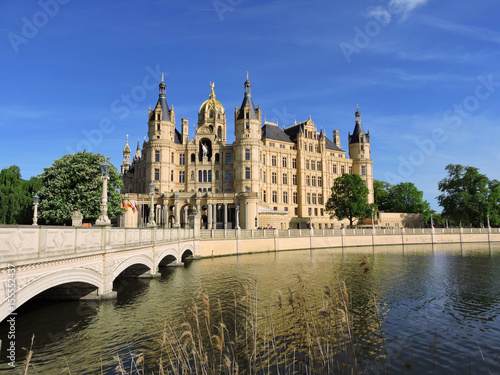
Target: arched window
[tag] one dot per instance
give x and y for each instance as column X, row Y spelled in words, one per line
column 192, row 158
column 204, row 176
column 219, row 132
column 209, row 176
column 200, row 176
column 217, row 158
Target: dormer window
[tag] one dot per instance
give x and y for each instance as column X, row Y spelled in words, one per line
column 247, row 125
column 247, row 115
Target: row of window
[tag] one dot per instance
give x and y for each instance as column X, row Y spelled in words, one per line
column 310, row 198
column 313, row 165
column 206, row 176
column 203, row 176
column 342, row 169
column 272, row 144
column 310, row 147
column 182, row 158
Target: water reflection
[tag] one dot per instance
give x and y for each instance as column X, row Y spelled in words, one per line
column 413, row 302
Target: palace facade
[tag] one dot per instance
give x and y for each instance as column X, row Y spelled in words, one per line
column 268, row 177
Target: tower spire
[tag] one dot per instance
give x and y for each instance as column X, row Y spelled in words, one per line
column 248, row 86
column 126, row 150
column 162, row 86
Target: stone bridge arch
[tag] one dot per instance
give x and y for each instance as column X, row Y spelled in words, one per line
column 164, row 254
column 38, row 285
column 187, row 251
column 141, row 259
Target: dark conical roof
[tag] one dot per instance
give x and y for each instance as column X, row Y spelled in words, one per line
column 358, row 135
column 162, row 102
column 247, row 100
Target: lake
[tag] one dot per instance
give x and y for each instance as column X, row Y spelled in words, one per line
column 420, row 309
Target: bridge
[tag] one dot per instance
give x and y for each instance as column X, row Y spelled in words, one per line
column 73, row 260
column 76, row 262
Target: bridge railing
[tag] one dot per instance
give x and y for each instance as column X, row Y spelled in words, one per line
column 268, row 233
column 23, row 243
column 26, row 242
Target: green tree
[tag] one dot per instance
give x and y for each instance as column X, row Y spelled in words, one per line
column 403, row 197
column 73, row 183
column 349, row 198
column 16, row 196
column 465, row 195
column 494, row 203
column 381, row 191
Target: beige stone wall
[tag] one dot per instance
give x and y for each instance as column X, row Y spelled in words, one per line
column 400, row 220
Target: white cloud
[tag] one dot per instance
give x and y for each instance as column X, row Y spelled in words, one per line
column 405, row 7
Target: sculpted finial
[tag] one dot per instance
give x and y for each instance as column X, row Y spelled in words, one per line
column 212, row 94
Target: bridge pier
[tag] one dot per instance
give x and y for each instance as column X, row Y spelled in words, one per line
column 150, row 275
column 109, row 295
column 176, row 264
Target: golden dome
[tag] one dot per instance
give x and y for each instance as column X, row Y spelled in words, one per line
column 126, row 150
column 211, row 105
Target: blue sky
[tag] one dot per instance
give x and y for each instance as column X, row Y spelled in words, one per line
column 425, row 74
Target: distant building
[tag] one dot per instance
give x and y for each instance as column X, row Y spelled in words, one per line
column 275, row 177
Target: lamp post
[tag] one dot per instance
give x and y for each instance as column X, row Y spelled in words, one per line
column 373, row 225
column 151, row 220
column 432, row 222
column 237, row 216
column 103, row 218
column 36, row 200
column 310, row 218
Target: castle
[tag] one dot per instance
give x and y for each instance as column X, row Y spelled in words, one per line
column 269, row 177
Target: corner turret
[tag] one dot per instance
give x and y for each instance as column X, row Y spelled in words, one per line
column 360, row 153
column 126, row 158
